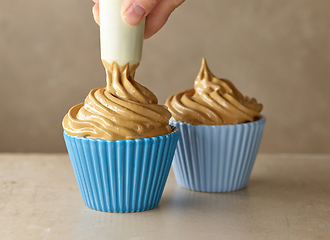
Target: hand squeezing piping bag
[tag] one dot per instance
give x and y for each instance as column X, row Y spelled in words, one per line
column 120, row 42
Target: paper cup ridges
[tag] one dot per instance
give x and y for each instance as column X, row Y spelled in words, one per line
column 123, row 175
column 217, row 158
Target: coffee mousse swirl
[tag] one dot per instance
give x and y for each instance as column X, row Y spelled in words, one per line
column 213, row 101
column 124, row 109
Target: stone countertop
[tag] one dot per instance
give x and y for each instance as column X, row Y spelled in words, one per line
column 287, row 197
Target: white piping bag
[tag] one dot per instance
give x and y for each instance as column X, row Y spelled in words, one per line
column 119, row 41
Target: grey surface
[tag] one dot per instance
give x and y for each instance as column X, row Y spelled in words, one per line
column 287, row 197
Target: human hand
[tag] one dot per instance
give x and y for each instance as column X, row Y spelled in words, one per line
column 156, row 13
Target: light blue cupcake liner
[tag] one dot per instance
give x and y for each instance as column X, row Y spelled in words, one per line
column 123, row 175
column 217, row 158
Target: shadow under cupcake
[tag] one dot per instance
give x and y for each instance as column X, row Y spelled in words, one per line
column 220, row 134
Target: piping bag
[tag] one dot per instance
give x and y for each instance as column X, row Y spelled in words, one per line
column 120, row 42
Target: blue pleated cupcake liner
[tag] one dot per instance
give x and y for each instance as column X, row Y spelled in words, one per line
column 217, row 158
column 122, row 175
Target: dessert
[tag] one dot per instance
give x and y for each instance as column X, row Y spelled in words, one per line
column 220, row 133
column 124, row 109
column 120, row 144
column 119, row 140
column 212, row 101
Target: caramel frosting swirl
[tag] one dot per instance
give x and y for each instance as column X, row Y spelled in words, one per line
column 213, row 101
column 124, row 109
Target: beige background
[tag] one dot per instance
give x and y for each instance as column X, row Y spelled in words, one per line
column 275, row 50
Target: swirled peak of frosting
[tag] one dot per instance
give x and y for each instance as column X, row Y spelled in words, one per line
column 124, row 109
column 212, row 101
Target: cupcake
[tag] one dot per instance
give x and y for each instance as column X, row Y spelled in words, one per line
column 120, row 144
column 220, row 134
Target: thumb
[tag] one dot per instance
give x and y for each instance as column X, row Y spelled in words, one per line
column 133, row 11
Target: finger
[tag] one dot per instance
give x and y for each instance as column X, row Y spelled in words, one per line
column 96, row 12
column 159, row 16
column 133, row 11
column 96, row 1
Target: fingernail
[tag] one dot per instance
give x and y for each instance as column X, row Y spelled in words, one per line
column 134, row 14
